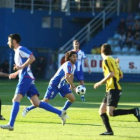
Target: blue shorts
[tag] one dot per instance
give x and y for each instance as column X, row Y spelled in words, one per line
column 52, row 91
column 79, row 75
column 27, row 87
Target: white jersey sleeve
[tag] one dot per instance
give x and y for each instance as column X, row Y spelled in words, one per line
column 83, row 55
column 68, row 68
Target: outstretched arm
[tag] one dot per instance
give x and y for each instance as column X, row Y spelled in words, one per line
column 4, row 74
column 30, row 60
column 69, row 79
column 111, row 74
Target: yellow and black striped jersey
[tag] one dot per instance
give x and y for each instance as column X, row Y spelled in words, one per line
column 109, row 64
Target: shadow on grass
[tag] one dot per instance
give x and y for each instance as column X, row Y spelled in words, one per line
column 43, row 122
column 129, row 137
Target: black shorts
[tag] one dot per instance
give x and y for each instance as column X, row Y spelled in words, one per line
column 112, row 97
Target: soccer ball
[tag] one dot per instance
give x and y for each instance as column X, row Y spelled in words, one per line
column 80, row 90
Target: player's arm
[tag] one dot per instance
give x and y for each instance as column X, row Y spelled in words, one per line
column 111, row 74
column 4, row 74
column 86, row 62
column 120, row 74
column 13, row 75
column 30, row 60
column 69, row 79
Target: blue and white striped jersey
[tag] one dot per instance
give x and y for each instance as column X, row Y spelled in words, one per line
column 80, row 56
column 21, row 56
column 59, row 78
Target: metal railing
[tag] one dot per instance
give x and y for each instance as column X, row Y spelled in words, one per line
column 98, row 21
column 66, row 6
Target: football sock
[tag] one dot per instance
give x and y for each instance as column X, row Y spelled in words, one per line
column 14, row 112
column 123, row 112
column 0, row 107
column 66, row 105
column 105, row 120
column 50, row 108
column 30, row 107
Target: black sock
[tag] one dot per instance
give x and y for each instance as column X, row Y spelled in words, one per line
column 0, row 107
column 123, row 112
column 106, row 122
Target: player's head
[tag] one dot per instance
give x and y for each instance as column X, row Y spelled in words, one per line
column 106, row 49
column 76, row 44
column 71, row 56
column 13, row 40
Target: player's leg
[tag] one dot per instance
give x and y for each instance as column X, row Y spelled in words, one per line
column 69, row 102
column 81, row 82
column 80, row 77
column 1, row 117
column 111, row 109
column 33, row 96
column 48, row 94
column 105, row 119
column 65, row 91
column 116, row 112
column 37, row 103
column 82, row 96
column 14, row 112
column 21, row 89
column 29, row 108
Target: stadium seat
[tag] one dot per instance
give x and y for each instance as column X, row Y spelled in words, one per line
column 116, row 42
column 116, row 36
column 117, row 49
column 125, row 49
column 133, row 49
column 110, row 42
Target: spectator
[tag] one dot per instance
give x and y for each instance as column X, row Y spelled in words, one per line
column 121, row 26
column 136, row 27
column 129, row 29
column 94, row 51
column 122, row 40
column 129, row 39
column 98, row 50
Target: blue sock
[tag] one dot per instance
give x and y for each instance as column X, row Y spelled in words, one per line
column 66, row 105
column 30, row 107
column 50, row 108
column 14, row 113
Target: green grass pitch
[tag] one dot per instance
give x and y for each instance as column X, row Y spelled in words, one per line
column 84, row 122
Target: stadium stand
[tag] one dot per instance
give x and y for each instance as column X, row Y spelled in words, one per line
column 127, row 36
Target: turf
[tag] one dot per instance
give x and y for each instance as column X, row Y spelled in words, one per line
column 83, row 123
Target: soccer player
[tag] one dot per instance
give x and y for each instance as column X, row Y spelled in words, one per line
column 112, row 75
column 58, row 83
column 79, row 71
column 4, row 75
column 23, row 58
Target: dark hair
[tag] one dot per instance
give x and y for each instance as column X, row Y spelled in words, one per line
column 15, row 37
column 68, row 55
column 106, row 49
